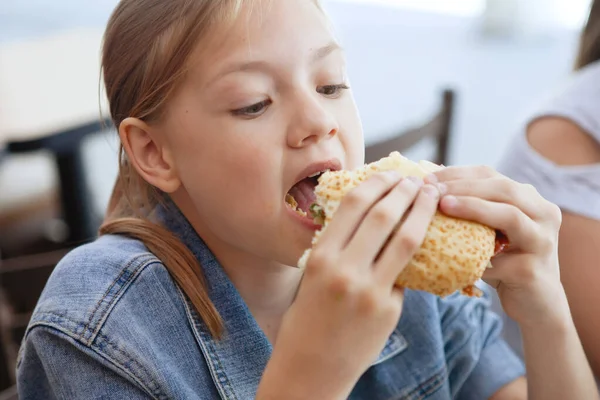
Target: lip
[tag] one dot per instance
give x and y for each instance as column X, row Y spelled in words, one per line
column 332, row 164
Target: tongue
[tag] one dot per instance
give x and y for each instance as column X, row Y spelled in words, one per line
column 304, row 193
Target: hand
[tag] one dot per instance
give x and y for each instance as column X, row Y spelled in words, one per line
column 347, row 305
column 526, row 275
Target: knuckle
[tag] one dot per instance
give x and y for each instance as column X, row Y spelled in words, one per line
column 407, row 243
column 524, row 190
column 486, row 170
column 526, row 273
column 429, row 195
column 555, row 214
column 546, row 244
column 516, row 219
column 355, row 198
column 380, row 179
column 340, row 285
column 368, row 302
column 409, row 186
column 383, row 215
column 386, row 179
column 530, row 188
column 510, row 188
column 318, row 260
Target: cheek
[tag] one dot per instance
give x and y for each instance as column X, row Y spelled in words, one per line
column 351, row 136
column 238, row 176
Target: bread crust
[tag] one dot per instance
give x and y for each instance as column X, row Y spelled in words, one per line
column 454, row 253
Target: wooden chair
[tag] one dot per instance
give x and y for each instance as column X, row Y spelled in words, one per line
column 437, row 128
column 9, row 394
column 22, row 280
column 49, row 104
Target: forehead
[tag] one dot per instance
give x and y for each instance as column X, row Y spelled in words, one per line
column 274, row 31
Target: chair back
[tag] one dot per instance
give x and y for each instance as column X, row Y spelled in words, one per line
column 437, row 128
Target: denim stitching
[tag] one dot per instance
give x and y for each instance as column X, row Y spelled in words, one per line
column 132, row 274
column 213, row 361
column 149, row 386
column 151, row 383
column 426, row 388
column 430, row 386
column 221, row 370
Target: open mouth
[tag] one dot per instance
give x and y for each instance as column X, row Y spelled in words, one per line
column 301, row 198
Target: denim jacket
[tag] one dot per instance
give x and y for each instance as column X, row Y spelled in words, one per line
column 112, row 324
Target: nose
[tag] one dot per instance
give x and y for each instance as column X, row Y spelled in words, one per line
column 312, row 122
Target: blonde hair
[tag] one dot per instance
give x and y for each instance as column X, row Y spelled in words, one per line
column 146, row 48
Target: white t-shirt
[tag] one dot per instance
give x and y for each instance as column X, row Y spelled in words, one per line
column 573, row 188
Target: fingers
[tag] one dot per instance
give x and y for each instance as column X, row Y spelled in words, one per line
column 511, row 271
column 522, row 231
column 380, row 222
column 469, row 172
column 499, row 190
column 408, row 239
column 484, row 182
column 353, row 208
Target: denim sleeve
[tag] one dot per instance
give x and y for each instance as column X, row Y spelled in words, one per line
column 479, row 361
column 54, row 366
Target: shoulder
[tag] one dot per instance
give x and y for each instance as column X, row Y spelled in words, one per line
column 557, row 148
column 568, row 110
column 115, row 302
column 563, row 141
column 88, row 282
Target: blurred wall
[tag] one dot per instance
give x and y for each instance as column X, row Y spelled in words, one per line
column 399, row 60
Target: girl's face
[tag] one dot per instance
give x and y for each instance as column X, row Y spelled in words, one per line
column 264, row 105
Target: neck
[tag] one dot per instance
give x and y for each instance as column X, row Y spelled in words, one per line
column 268, row 288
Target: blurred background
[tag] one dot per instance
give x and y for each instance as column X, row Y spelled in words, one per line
column 482, row 64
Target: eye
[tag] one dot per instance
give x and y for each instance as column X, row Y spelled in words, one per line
column 254, row 110
column 332, row 91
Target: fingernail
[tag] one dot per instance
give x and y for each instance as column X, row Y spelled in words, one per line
column 450, row 201
column 431, row 178
column 442, row 188
column 415, row 180
column 431, row 190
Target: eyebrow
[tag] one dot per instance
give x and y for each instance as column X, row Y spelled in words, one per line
column 324, row 51
column 259, row 65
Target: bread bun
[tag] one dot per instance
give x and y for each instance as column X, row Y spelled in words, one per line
column 455, row 252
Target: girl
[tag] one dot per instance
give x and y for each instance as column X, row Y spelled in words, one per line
column 558, row 151
column 223, row 107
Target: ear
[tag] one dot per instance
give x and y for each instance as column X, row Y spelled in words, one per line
column 150, row 157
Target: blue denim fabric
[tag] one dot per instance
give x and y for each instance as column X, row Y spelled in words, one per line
column 112, row 324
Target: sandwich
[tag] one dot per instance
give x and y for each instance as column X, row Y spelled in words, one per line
column 455, row 252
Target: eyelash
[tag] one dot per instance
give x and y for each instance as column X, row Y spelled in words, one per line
column 252, row 111
column 248, row 111
column 338, row 90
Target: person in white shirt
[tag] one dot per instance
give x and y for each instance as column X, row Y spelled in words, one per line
column 557, row 151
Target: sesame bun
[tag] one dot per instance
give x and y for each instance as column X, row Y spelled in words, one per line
column 455, row 252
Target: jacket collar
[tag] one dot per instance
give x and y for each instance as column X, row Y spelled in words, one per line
column 237, row 360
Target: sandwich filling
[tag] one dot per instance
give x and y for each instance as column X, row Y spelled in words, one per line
column 302, row 199
column 302, row 195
